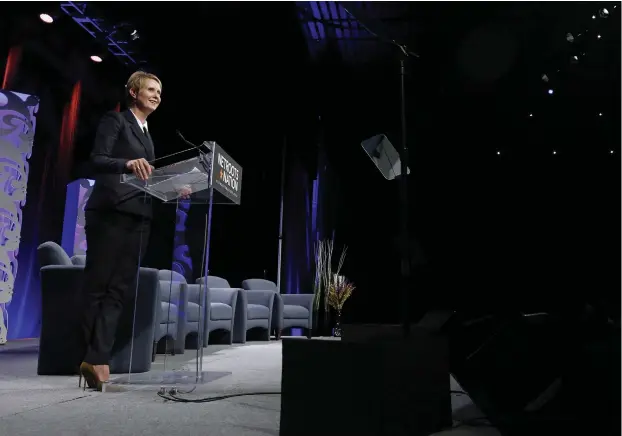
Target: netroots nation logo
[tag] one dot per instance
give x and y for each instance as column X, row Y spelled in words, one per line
column 228, row 175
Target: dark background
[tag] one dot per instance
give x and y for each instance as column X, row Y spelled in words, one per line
column 525, row 228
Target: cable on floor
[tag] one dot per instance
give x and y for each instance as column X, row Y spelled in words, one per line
column 171, row 395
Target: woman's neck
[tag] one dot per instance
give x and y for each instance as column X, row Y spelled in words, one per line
column 139, row 114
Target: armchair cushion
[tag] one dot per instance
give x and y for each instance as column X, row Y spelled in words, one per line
column 295, row 312
column 257, row 311
column 221, row 311
column 168, row 313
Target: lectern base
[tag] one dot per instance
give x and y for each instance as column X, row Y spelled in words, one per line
column 389, row 387
column 167, row 378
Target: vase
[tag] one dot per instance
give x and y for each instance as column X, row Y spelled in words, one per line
column 337, row 328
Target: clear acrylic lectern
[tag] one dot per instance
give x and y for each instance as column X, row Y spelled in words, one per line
column 192, row 186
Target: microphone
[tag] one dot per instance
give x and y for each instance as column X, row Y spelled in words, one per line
column 205, row 144
column 198, row 147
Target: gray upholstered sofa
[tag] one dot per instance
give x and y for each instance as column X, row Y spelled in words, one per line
column 290, row 310
column 62, row 305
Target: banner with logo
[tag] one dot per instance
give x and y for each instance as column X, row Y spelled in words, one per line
column 227, row 176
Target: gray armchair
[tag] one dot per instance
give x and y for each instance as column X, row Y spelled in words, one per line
column 221, row 309
column 290, row 310
column 62, row 304
column 255, row 309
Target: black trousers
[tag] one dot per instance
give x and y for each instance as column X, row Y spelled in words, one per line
column 116, row 242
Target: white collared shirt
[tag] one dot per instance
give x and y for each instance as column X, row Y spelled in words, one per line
column 142, row 126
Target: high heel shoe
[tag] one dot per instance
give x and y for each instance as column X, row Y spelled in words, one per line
column 90, row 378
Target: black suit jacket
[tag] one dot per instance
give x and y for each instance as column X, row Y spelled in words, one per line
column 118, row 140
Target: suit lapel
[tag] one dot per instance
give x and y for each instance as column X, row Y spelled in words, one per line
column 142, row 138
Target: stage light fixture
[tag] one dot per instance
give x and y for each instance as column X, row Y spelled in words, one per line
column 96, row 58
column 46, row 18
column 600, row 114
column 554, row 152
column 498, row 153
column 603, row 13
column 530, row 115
column 569, row 37
column 545, row 78
column 116, row 37
column 610, row 151
column 550, row 91
column 134, row 35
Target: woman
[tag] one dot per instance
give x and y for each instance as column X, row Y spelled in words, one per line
column 118, row 219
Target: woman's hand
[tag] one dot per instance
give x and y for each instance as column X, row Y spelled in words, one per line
column 185, row 192
column 140, row 167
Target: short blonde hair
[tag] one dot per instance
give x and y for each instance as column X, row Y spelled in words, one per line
column 136, row 82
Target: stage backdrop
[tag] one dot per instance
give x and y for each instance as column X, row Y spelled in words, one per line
column 74, row 238
column 72, row 99
column 17, row 131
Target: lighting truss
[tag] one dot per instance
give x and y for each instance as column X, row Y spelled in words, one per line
column 117, row 42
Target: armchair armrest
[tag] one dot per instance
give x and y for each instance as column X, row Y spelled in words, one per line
column 61, row 299
column 175, row 293
column 194, row 293
column 78, row 259
column 62, row 279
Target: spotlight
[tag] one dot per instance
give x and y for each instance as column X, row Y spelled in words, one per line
column 545, row 78
column 554, row 152
column 46, row 18
column 603, row 13
column 574, row 59
column 569, row 37
column 498, row 153
column 530, row 115
column 610, row 151
column 134, row 35
column 598, row 36
column 96, row 58
column 550, row 92
column 600, row 114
